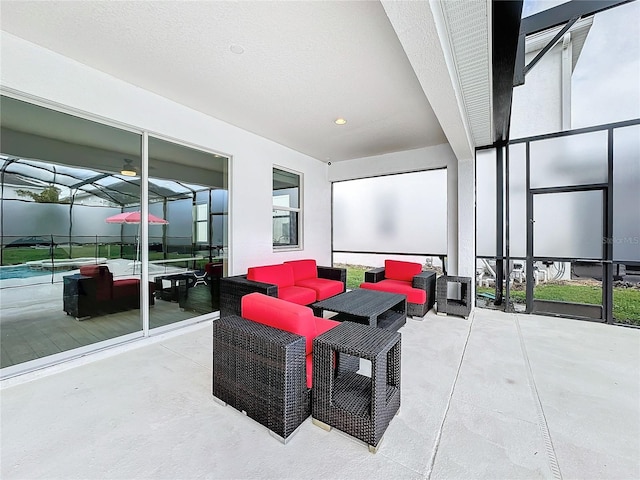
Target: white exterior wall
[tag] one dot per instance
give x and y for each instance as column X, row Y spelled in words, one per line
column 537, row 105
column 410, row 161
column 33, row 71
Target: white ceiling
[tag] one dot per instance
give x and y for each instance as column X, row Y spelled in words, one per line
column 304, row 64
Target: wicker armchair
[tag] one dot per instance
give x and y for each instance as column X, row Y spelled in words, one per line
column 232, row 289
column 261, row 370
column 375, row 279
column 262, row 361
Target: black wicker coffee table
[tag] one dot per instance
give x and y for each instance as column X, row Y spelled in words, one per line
column 378, row 309
column 356, row 404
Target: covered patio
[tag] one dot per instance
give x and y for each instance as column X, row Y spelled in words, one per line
column 271, row 109
column 494, row 396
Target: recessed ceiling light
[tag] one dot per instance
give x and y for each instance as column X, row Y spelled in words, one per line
column 237, row 49
column 340, row 121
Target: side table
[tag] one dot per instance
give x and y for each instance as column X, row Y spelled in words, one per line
column 458, row 305
column 356, row 404
column 170, row 294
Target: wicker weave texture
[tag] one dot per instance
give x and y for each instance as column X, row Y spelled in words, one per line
column 232, row 289
column 356, row 404
column 461, row 307
column 370, row 307
column 262, row 371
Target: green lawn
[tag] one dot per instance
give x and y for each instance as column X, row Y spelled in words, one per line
column 355, row 274
column 626, row 301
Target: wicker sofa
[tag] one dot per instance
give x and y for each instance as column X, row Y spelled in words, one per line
column 406, row 278
column 262, row 361
column 298, row 281
column 94, row 292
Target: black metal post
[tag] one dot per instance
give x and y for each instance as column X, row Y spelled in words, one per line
column 529, row 260
column 499, row 223
column 607, row 274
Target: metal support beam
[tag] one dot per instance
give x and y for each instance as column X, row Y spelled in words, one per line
column 549, row 45
column 529, row 260
column 607, row 270
column 562, row 13
column 506, row 17
column 499, row 223
column 565, row 14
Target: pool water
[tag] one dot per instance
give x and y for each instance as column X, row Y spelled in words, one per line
column 21, row 271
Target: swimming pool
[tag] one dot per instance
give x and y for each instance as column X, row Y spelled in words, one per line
column 21, row 271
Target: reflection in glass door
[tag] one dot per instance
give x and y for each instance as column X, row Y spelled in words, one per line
column 68, row 276
column 187, row 254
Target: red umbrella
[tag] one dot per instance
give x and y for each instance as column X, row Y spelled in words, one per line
column 134, row 218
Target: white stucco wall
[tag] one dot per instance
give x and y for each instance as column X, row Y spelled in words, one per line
column 537, row 105
column 32, row 71
column 409, row 161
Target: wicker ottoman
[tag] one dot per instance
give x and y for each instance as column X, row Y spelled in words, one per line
column 358, row 405
column 459, row 305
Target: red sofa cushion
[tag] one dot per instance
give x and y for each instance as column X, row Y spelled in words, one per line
column 280, row 275
column 296, row 294
column 103, row 280
column 91, row 270
column 309, row 361
column 414, row 295
column 398, row 270
column 284, row 315
column 128, row 287
column 323, row 287
column 303, row 269
column 280, row 314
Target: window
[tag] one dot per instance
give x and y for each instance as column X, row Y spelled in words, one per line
column 201, row 226
column 286, row 208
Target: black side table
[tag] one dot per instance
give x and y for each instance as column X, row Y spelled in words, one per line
column 171, row 293
column 460, row 304
column 358, row 405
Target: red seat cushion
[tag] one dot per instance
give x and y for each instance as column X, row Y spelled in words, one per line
column 398, row 270
column 280, row 275
column 309, row 359
column 299, row 295
column 323, row 287
column 414, row 295
column 303, row 269
column 128, row 287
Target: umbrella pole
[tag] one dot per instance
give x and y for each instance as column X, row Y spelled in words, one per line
column 137, row 251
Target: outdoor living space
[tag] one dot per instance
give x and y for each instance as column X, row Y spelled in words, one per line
column 495, row 144
column 494, row 396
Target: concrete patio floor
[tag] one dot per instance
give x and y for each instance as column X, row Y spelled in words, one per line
column 494, row 396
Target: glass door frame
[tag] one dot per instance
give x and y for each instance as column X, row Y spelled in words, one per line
column 565, row 309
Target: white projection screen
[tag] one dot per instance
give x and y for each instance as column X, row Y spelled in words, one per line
column 402, row 213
